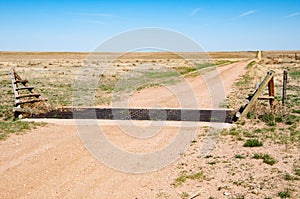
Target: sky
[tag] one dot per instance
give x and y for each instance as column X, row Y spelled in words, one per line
column 216, row 25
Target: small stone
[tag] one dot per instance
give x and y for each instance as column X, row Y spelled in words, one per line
column 255, row 191
column 226, row 193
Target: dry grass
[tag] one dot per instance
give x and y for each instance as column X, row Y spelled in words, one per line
column 268, row 171
column 54, row 75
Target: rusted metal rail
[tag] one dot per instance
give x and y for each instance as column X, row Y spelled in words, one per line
column 196, row 115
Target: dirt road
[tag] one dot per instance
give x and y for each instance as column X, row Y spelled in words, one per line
column 51, row 161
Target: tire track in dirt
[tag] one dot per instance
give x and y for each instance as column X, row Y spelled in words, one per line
column 197, row 90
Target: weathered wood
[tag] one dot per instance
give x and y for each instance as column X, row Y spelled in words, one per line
column 31, row 101
column 266, row 98
column 29, row 95
column 243, row 111
column 23, row 81
column 16, row 79
column 21, row 110
column 195, row 195
column 284, row 88
column 12, row 76
column 271, row 91
column 259, row 55
column 24, row 88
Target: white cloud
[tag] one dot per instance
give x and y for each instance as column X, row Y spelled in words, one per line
column 293, row 14
column 195, row 11
column 250, row 12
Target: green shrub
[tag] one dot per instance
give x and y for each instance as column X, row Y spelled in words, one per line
column 265, row 157
column 257, row 131
column 295, row 74
column 252, row 143
column 258, row 156
column 250, row 64
column 288, row 177
column 291, row 119
column 268, row 159
column 251, row 115
column 234, row 131
column 268, row 117
column 297, row 171
column 279, row 119
column 238, row 156
column 184, row 176
column 271, row 123
column 296, row 111
column 284, row 194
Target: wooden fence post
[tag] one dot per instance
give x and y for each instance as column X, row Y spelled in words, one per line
column 271, row 91
column 284, row 89
column 268, row 81
column 259, row 55
column 16, row 93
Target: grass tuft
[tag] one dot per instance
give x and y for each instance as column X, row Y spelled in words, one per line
column 17, row 126
column 184, row 176
column 239, row 156
column 284, row 194
column 250, row 64
column 253, row 143
column 266, row 158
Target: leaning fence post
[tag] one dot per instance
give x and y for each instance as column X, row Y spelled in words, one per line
column 284, row 89
column 268, row 80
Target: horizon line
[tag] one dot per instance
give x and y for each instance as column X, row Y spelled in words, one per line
column 8, row 51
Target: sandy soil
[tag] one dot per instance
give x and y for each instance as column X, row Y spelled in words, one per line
column 51, row 161
column 205, row 91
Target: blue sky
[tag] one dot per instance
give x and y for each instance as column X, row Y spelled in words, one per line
column 81, row 25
